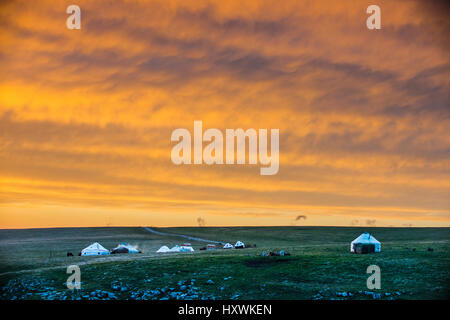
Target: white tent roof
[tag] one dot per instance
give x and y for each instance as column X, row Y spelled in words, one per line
column 94, row 249
column 228, row 246
column 239, row 244
column 177, row 248
column 366, row 238
column 186, row 249
column 130, row 248
column 163, row 249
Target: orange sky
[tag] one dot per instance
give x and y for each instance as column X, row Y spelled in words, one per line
column 86, row 115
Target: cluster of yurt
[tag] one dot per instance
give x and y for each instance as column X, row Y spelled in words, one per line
column 365, row 243
column 96, row 249
column 238, row 245
column 185, row 247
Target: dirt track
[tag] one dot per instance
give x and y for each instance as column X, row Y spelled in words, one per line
column 182, row 236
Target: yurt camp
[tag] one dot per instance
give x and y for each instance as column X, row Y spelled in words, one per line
column 365, row 243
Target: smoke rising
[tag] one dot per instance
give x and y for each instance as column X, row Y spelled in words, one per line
column 200, row 222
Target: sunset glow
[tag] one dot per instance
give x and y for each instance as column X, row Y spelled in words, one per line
column 86, row 115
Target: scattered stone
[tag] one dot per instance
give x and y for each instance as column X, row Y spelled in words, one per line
column 341, row 294
column 376, row 296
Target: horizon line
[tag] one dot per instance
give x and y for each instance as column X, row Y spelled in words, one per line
column 269, row 226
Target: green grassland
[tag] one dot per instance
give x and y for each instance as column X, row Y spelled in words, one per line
column 33, row 264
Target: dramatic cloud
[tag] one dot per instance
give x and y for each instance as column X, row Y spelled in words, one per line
column 86, row 115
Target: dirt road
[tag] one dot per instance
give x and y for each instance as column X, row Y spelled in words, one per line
column 182, row 236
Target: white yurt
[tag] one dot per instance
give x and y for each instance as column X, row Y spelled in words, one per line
column 228, row 246
column 125, row 248
column 163, row 249
column 95, row 249
column 176, row 248
column 239, row 245
column 365, row 239
column 186, row 249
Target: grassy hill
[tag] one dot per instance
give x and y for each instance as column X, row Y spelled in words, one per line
column 33, row 264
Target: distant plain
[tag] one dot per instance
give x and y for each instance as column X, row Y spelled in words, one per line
column 33, row 264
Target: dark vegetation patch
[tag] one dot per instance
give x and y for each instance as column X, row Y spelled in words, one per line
column 267, row 261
